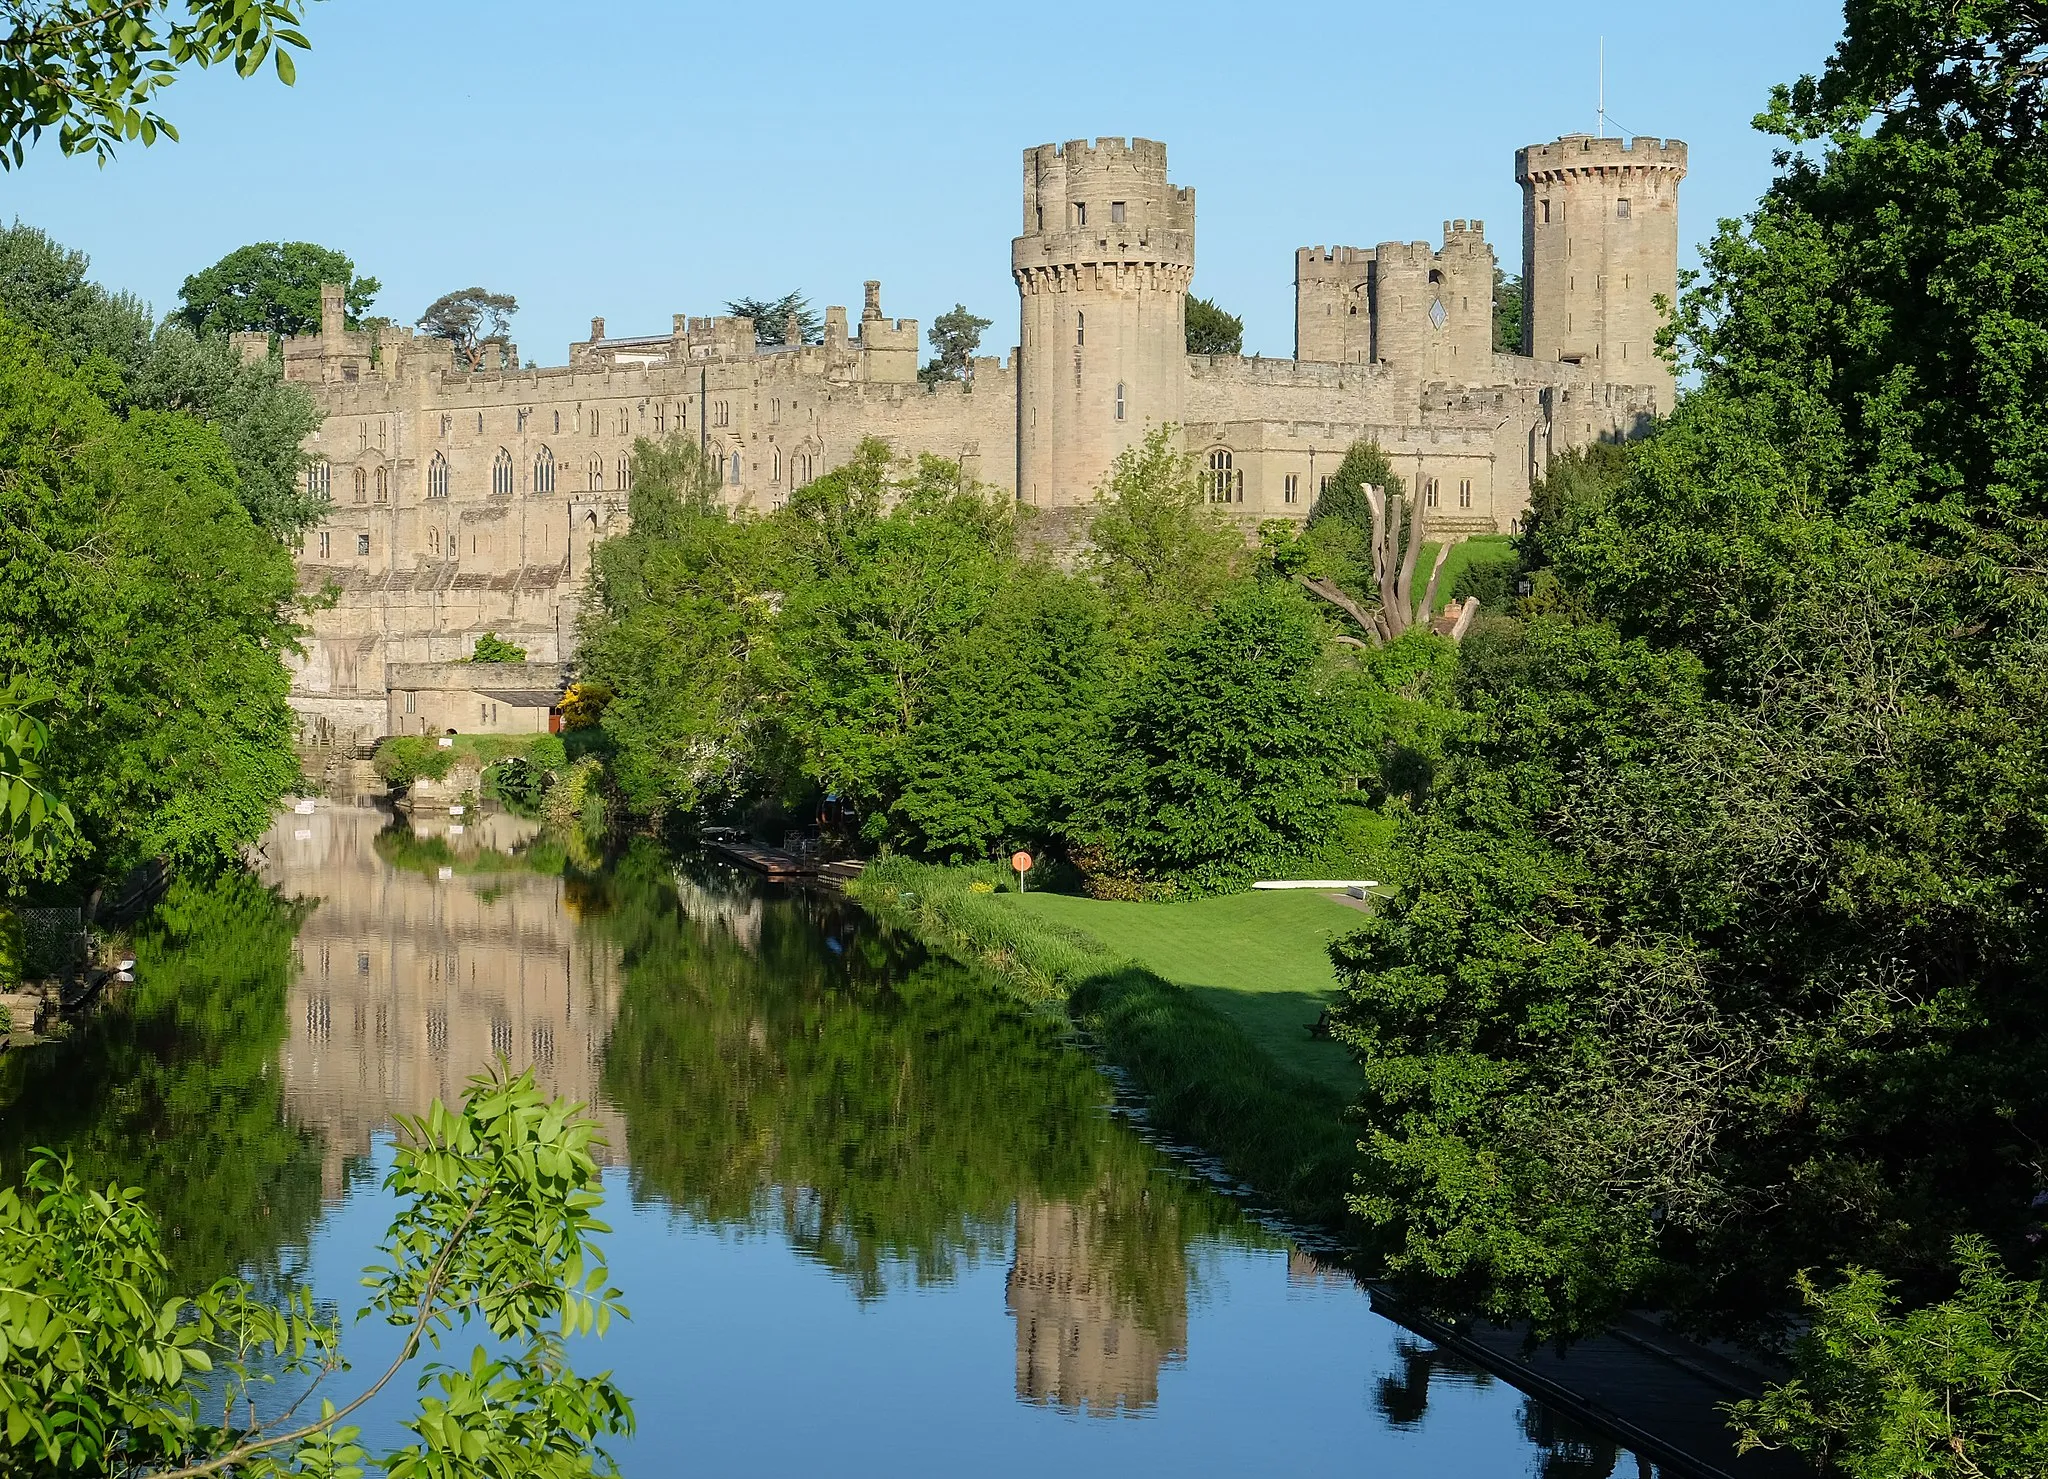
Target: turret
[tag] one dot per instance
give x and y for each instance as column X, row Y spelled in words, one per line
column 1102, row 272
column 1599, row 246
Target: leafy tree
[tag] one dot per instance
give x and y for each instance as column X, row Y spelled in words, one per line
column 138, row 593
column 1222, row 762
column 91, row 69
column 1157, row 547
column 772, row 317
column 1212, row 331
column 1507, row 312
column 43, row 287
column 955, row 335
column 108, row 1369
column 273, row 287
column 490, row 647
column 469, row 319
column 33, row 815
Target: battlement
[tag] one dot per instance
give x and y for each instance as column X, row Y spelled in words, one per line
column 1465, row 229
column 1108, row 185
column 1338, row 264
column 1576, row 154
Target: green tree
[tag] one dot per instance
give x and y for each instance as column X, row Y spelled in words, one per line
column 1507, row 312
column 44, row 288
column 1156, row 546
column 1222, row 762
column 469, row 319
column 138, row 593
column 955, row 335
column 91, row 69
column 106, row 1367
column 1212, row 331
column 32, row 813
column 490, row 647
column 772, row 318
column 273, row 287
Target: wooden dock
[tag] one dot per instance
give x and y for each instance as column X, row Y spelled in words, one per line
column 771, row 862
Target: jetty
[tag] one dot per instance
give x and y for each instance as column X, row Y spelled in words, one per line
column 772, row 862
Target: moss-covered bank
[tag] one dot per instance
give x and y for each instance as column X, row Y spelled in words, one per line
column 1207, row 1081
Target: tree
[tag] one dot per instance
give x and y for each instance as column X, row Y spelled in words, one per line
column 1211, row 330
column 91, row 69
column 272, row 287
column 490, row 647
column 1157, row 547
column 108, row 1369
column 1507, row 312
column 955, row 335
column 469, row 319
column 773, row 318
column 31, row 812
column 1221, row 762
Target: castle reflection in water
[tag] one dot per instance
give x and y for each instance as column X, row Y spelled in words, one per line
column 434, row 951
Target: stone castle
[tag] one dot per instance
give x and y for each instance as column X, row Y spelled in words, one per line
column 465, row 502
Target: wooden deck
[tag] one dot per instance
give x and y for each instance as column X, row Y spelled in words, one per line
column 772, row 862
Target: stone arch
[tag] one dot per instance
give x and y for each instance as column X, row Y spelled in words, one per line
column 544, row 471
column 501, row 472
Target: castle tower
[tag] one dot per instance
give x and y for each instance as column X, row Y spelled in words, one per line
column 1599, row 245
column 1102, row 275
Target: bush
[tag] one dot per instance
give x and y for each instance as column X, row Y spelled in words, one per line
column 490, row 647
column 405, row 758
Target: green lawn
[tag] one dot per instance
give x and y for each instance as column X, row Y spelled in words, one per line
column 1259, row 958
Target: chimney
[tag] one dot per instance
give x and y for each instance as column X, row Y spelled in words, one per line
column 596, row 329
column 872, row 308
column 333, row 312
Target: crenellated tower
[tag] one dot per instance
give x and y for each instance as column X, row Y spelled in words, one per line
column 1599, row 246
column 1102, row 271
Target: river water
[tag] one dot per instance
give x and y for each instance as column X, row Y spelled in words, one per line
column 870, row 1216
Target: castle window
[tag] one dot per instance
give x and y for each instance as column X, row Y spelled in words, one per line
column 479, row 423
column 1621, row 210
column 1119, row 400
column 1080, row 213
column 625, row 472
column 380, row 435
column 544, row 472
column 383, row 485
column 316, row 479
column 1290, row 487
column 596, row 423
column 362, row 544
column 1116, row 213
column 1429, row 493
column 1080, row 327
column 362, row 436
column 323, row 544
column 1221, row 481
column 1546, row 213
column 1041, row 218
column 558, row 423
column 775, row 467
column 593, row 476
column 501, row 472
column 362, row 486
column 437, row 477
column 660, row 418
column 1464, row 492
column 1323, row 486
column 735, row 478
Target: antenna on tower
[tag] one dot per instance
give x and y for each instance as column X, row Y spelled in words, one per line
column 1603, row 88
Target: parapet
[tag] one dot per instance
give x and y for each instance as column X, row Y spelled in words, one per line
column 1339, row 264
column 1577, row 154
column 1079, row 185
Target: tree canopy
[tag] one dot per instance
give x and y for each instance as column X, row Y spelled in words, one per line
column 772, row 318
column 955, row 335
column 469, row 319
column 272, row 287
column 1211, row 330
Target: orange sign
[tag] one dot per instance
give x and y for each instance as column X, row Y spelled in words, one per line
column 1021, row 861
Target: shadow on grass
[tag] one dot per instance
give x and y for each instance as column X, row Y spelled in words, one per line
column 1279, row 1023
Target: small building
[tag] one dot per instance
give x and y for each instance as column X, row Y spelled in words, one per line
column 475, row 697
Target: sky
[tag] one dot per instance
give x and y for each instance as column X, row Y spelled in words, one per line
column 636, row 160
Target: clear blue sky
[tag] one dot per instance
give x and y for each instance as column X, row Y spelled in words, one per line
column 641, row 159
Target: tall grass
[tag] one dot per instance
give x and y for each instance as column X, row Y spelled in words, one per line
column 1206, row 1082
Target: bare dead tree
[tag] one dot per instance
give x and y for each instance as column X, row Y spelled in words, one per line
column 1395, row 552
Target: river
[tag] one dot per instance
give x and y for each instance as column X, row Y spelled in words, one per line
column 871, row 1216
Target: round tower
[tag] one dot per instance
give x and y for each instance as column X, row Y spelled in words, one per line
column 1599, row 245
column 1102, row 273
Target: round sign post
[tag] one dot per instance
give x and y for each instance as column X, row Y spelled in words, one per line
column 1021, row 861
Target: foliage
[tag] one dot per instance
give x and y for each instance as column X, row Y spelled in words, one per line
column 34, row 817
column 490, row 647
column 403, row 758
column 273, row 287
column 1157, row 547
column 584, row 703
column 772, row 318
column 43, row 287
column 522, row 781
column 91, row 69
column 1337, row 541
column 137, row 592
column 955, row 335
column 1210, row 330
column 1957, row 1388
column 1489, row 572
column 1507, row 312
column 106, row 1368
column 1222, row 762
column 469, row 319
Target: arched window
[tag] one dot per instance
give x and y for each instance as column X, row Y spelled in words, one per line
column 362, row 486
column 625, row 472
column 596, row 422
column 1080, row 327
column 437, row 477
column 501, row 472
column 593, row 476
column 735, row 469
column 1221, row 476
column 316, row 479
column 544, row 471
column 1119, row 400
column 775, row 467
column 383, row 485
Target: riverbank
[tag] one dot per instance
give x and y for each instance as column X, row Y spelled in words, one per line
column 1214, row 1057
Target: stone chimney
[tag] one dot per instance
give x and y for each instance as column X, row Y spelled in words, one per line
column 872, row 308
column 333, row 313
column 596, row 330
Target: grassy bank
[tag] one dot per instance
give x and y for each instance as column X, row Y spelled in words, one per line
column 1193, row 1000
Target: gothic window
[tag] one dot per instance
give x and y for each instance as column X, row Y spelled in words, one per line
column 593, row 475
column 1119, row 400
column 735, row 479
column 1221, row 480
column 383, row 485
column 501, row 472
column 775, row 468
column 1290, row 487
column 437, row 477
column 544, row 471
column 362, row 481
column 1621, row 210
column 1464, row 492
column 625, row 473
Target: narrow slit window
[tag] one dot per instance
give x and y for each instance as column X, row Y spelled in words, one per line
column 1119, row 400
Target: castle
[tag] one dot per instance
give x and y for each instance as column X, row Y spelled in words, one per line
column 464, row 502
